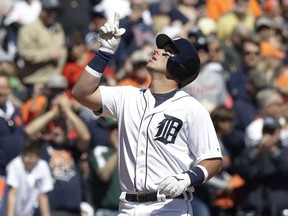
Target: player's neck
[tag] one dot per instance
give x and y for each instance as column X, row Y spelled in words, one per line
column 162, row 86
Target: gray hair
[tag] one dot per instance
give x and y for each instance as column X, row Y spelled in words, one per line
column 266, row 97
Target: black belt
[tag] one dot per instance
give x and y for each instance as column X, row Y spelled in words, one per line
column 148, row 197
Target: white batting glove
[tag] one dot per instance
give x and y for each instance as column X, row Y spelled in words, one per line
column 174, row 185
column 110, row 35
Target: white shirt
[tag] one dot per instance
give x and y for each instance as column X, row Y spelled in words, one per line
column 155, row 142
column 253, row 132
column 28, row 185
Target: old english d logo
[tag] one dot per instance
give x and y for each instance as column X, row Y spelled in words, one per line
column 168, row 129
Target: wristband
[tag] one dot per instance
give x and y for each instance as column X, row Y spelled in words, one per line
column 98, row 63
column 198, row 175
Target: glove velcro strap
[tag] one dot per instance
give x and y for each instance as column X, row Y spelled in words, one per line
column 98, row 63
column 198, row 175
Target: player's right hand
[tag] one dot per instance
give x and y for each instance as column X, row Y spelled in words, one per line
column 174, row 185
column 110, row 35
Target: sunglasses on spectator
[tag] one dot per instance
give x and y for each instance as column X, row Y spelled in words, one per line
column 251, row 53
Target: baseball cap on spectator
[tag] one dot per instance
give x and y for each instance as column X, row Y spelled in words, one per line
column 263, row 22
column 267, row 49
column 110, row 123
column 196, row 32
column 258, row 79
column 98, row 11
column 50, row 4
column 281, row 83
column 57, row 81
column 198, row 39
column 139, row 56
column 207, row 26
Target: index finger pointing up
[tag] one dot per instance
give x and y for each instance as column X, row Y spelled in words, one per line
column 116, row 19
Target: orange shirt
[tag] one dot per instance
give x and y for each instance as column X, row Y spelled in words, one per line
column 132, row 82
column 72, row 71
column 29, row 112
column 216, row 8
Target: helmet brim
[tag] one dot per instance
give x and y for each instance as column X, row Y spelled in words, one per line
column 162, row 40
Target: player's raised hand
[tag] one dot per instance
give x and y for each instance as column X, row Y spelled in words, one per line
column 110, row 35
column 174, row 185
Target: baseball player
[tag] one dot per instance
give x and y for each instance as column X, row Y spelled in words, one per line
column 167, row 143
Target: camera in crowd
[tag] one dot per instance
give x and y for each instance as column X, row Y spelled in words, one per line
column 270, row 124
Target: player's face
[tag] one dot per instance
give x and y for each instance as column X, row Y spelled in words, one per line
column 159, row 59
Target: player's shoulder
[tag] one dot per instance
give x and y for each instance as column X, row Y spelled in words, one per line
column 184, row 96
column 190, row 103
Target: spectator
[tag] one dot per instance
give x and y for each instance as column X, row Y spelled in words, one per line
column 264, row 168
column 11, row 133
column 105, row 179
column 210, row 86
column 42, row 45
column 62, row 150
column 78, row 57
column 226, row 185
column 8, row 47
column 234, row 45
column 98, row 18
column 272, row 104
column 67, row 18
column 138, row 32
column 238, row 14
column 138, row 76
column 246, row 110
column 43, row 94
column 216, row 8
column 23, row 12
column 29, row 180
column 250, row 61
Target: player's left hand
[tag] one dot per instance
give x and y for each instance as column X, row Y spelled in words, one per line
column 110, row 35
column 174, row 185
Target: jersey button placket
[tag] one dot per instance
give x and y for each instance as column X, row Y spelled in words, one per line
column 140, row 161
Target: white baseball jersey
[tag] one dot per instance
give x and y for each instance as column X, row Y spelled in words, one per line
column 155, row 142
column 28, row 185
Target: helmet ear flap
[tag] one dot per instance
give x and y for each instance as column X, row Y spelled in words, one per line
column 185, row 73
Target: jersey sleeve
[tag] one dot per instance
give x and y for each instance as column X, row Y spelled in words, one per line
column 202, row 137
column 113, row 99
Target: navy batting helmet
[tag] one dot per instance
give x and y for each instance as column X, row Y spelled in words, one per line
column 185, row 64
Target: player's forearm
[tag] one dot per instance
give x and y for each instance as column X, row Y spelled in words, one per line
column 213, row 166
column 84, row 88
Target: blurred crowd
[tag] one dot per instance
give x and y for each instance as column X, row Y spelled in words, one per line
column 58, row 158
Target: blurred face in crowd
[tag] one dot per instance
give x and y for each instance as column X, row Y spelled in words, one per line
column 59, row 131
column 49, row 16
column 241, row 6
column 4, row 90
column 277, row 106
column 30, row 159
column 216, row 52
column 98, row 21
column 251, row 54
column 137, row 8
column 140, row 72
